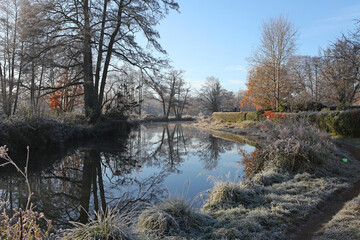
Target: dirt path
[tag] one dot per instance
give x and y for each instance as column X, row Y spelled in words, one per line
column 326, row 212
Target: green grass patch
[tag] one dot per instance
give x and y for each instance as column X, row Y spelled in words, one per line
column 233, row 137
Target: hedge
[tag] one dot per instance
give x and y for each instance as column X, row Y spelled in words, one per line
column 344, row 123
column 233, row 117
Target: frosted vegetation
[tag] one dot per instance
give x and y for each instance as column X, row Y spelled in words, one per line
column 345, row 224
column 295, row 170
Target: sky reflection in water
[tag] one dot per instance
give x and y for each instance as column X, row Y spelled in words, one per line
column 156, row 159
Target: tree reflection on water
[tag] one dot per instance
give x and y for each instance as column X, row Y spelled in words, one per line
column 108, row 174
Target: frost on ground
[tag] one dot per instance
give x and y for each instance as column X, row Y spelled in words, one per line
column 345, row 224
column 294, row 172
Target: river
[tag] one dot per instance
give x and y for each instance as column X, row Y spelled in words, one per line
column 155, row 161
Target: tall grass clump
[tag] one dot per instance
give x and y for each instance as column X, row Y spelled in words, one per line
column 105, row 225
column 172, row 217
column 228, row 194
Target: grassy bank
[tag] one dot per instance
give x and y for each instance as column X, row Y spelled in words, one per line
column 294, row 173
column 345, row 224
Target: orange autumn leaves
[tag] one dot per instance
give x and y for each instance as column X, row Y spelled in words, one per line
column 262, row 88
column 259, row 92
column 66, row 95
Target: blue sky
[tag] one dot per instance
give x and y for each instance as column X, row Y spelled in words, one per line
column 215, row 38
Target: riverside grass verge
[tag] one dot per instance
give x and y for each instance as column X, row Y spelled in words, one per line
column 345, row 224
column 297, row 169
column 344, row 123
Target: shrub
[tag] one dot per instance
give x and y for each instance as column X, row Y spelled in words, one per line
column 326, row 121
column 229, row 117
column 347, row 123
column 252, row 116
column 295, row 147
column 241, row 117
column 344, row 123
column 284, row 107
column 272, row 116
column 24, row 225
column 223, row 117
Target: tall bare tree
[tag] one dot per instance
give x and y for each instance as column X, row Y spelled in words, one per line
column 211, row 94
column 108, row 29
column 10, row 47
column 341, row 70
column 278, row 43
column 170, row 90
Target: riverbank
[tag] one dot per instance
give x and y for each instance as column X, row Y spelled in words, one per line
column 47, row 134
column 296, row 171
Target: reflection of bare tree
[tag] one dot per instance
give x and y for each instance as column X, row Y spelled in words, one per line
column 166, row 149
column 84, row 181
column 103, row 175
column 209, row 151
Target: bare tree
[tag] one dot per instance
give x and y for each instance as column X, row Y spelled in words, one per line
column 9, row 40
column 341, row 70
column 106, row 29
column 278, row 43
column 210, row 94
column 181, row 95
column 169, row 89
column 308, row 84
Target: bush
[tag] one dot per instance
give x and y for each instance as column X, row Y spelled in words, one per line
column 229, row 117
column 241, row 117
column 252, row 116
column 329, row 121
column 24, row 225
column 347, row 123
column 344, row 123
column 295, row 147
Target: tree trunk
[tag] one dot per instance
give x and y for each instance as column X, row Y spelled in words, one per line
column 90, row 99
column 109, row 54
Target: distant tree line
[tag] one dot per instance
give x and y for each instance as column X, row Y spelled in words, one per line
column 281, row 80
column 87, row 56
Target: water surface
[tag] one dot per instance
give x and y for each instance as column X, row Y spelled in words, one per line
column 155, row 161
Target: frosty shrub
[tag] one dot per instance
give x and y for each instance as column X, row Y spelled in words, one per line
column 295, row 147
column 23, row 224
column 27, row 224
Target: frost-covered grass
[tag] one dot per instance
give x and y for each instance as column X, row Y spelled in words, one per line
column 345, row 224
column 106, row 225
column 173, row 218
column 296, row 170
column 256, row 211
